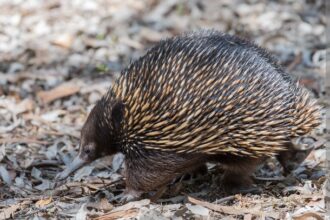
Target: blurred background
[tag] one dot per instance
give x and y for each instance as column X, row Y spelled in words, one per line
column 58, row 57
column 54, row 41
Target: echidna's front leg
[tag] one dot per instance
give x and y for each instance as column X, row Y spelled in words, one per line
column 239, row 183
column 152, row 172
column 237, row 177
column 298, row 151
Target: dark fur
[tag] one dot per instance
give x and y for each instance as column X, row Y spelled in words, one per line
column 154, row 169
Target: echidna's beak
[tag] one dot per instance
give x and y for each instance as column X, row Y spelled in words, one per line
column 75, row 164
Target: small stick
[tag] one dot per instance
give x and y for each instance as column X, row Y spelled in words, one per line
column 230, row 210
column 225, row 199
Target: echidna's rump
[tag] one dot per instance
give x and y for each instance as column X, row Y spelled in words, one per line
column 212, row 93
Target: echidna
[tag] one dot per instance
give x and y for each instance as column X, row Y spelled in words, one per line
column 197, row 98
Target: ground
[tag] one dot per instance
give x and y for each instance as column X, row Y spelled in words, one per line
column 57, row 58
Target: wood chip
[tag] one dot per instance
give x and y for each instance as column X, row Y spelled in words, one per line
column 61, row 91
column 43, row 202
column 64, row 40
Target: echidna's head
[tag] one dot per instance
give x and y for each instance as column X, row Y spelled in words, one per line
column 100, row 134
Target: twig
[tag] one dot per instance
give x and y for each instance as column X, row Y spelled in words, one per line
column 124, row 214
column 225, row 199
column 280, row 178
column 230, row 210
column 308, row 215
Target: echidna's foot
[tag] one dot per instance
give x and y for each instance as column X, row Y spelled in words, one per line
column 303, row 143
column 127, row 196
column 199, row 171
column 243, row 190
column 291, row 160
column 158, row 194
column 158, row 169
column 238, row 183
column 300, row 148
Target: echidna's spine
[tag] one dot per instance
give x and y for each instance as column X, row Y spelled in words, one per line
column 212, row 93
column 307, row 113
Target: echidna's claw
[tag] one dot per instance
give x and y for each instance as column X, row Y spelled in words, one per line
column 301, row 148
column 303, row 143
column 127, row 196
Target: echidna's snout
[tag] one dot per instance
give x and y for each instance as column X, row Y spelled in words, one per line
column 75, row 164
column 87, row 153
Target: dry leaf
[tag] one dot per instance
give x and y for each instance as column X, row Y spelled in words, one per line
column 132, row 205
column 117, row 161
column 46, row 184
column 146, row 213
column 2, row 151
column 83, row 172
column 53, row 115
column 43, row 202
column 8, row 212
column 82, row 213
column 4, row 174
column 103, row 204
column 248, row 217
column 198, row 209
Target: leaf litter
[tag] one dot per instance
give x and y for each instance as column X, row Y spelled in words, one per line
column 58, row 57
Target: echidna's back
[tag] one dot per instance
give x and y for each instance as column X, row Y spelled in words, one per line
column 213, row 93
